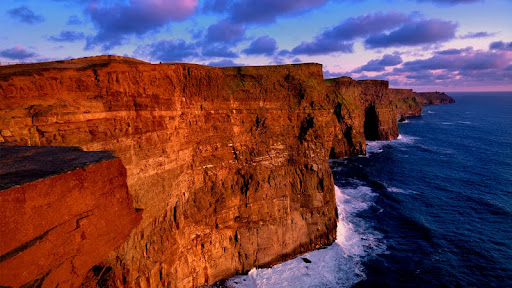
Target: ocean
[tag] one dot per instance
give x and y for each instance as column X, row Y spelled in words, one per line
column 430, row 209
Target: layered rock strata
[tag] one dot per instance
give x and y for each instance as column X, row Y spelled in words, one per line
column 63, row 210
column 366, row 110
column 230, row 165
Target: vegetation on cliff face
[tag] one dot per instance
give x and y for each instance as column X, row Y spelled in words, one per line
column 229, row 164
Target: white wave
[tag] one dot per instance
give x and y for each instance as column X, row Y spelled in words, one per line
column 399, row 190
column 373, row 147
column 339, row 265
column 447, row 123
column 431, row 112
column 464, row 122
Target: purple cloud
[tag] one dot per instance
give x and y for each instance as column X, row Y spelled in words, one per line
column 473, row 60
column 224, row 63
column 67, row 36
column 25, row 15
column 115, row 22
column 167, row 51
column 17, row 53
column 264, row 45
column 472, row 35
column 218, row 51
column 500, row 45
column 322, row 46
column 225, row 32
column 378, row 65
column 450, row 2
column 217, row 6
column 266, row 11
column 365, row 25
column 337, row 39
column 453, row 51
column 429, row 31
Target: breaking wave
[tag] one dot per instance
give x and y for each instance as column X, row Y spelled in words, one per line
column 339, row 265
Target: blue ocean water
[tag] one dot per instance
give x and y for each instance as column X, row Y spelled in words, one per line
column 430, row 209
column 443, row 201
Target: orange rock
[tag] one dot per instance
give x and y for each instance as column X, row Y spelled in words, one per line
column 230, row 165
column 63, row 210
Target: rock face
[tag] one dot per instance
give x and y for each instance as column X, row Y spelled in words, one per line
column 230, row 165
column 433, row 98
column 63, row 210
column 366, row 110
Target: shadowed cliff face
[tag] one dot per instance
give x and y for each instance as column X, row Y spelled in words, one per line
column 230, row 165
column 366, row 110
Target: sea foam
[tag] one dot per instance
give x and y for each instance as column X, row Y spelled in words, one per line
column 339, row 265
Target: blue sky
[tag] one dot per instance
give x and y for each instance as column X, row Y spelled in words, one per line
column 444, row 45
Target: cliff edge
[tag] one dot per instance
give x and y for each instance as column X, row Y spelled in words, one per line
column 63, row 210
column 230, row 165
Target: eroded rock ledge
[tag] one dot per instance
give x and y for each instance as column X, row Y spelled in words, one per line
column 63, row 211
column 230, row 165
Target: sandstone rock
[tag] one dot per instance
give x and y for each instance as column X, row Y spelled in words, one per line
column 63, row 210
column 230, row 165
column 366, row 110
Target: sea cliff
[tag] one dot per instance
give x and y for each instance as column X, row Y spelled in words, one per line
column 229, row 165
column 433, row 98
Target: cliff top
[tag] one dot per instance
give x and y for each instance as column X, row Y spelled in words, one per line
column 100, row 61
column 23, row 164
column 85, row 62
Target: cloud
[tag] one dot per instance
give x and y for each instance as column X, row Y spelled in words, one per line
column 266, row 11
column 224, row 63
column 378, row 65
column 167, row 51
column 500, row 45
column 450, row 2
column 339, row 38
column 225, row 32
column 365, row 25
column 115, row 22
column 430, row 31
column 74, row 20
column 218, row 51
column 472, row 35
column 322, row 46
column 17, row 53
column 453, row 51
column 328, row 74
column 217, row 6
column 25, row 15
column 470, row 60
column 264, row 45
column 67, row 36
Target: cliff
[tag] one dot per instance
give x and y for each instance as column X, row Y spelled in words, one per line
column 230, row 165
column 433, row 98
column 63, row 210
column 366, row 110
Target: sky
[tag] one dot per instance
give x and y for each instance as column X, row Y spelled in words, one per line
column 426, row 45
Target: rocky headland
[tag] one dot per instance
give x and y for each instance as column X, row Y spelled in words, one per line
column 228, row 166
column 433, row 98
